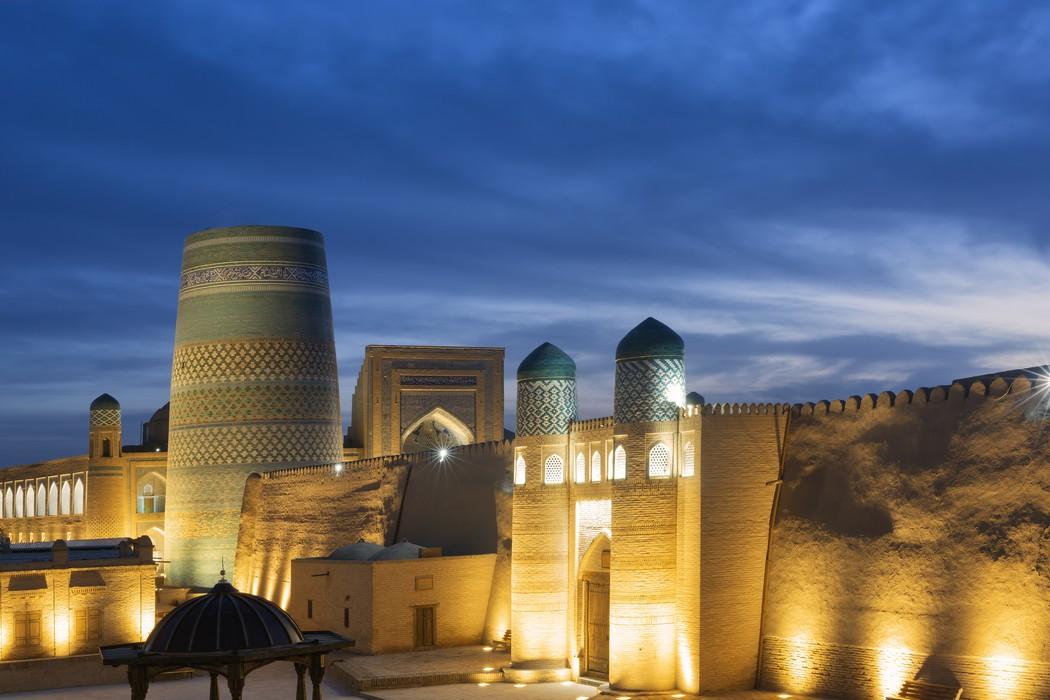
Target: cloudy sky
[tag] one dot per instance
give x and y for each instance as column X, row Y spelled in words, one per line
column 823, row 198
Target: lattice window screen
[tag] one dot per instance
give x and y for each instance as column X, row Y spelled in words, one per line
column 619, row 463
column 659, row 461
column 596, row 466
column 554, row 470
column 581, row 468
column 519, row 470
column 688, row 460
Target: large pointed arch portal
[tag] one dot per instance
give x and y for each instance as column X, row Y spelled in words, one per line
column 593, row 603
column 435, row 430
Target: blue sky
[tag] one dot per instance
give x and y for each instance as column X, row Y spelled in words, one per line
column 823, row 198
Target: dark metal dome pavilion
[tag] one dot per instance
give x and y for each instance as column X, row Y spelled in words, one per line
column 226, row 633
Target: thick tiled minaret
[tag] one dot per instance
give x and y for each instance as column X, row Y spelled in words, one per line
column 254, row 384
column 650, row 387
column 539, row 579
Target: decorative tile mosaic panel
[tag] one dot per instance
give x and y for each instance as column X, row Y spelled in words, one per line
column 643, row 388
column 438, row 380
column 545, row 406
column 220, row 274
column 105, row 417
column 236, row 361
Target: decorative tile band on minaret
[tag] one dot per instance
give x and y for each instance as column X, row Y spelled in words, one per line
column 254, row 383
column 546, row 392
column 650, row 374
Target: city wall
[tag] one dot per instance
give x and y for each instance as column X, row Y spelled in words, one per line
column 912, row 536
column 461, row 504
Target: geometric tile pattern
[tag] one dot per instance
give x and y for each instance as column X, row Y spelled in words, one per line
column 263, row 445
column 255, row 272
column 258, row 401
column 236, row 361
column 105, row 417
column 643, row 388
column 545, row 406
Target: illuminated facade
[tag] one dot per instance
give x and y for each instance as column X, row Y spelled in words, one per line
column 66, row 598
column 836, row 548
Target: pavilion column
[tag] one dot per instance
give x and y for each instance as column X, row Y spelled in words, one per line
column 235, row 680
column 316, row 673
column 138, row 679
column 300, row 688
column 214, row 695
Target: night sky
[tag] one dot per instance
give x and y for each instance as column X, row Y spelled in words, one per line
column 823, row 198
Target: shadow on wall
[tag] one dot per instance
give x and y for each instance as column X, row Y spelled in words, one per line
column 450, row 504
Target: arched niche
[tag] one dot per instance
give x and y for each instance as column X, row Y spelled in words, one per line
column 435, row 429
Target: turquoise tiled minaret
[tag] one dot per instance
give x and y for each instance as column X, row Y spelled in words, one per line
column 546, row 392
column 650, row 374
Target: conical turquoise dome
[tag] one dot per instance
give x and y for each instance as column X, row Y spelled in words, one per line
column 104, row 401
column 650, row 338
column 547, row 361
column 694, row 399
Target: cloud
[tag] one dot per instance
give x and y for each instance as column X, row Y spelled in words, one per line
column 823, row 199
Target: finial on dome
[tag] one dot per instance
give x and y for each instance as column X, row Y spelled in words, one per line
column 222, row 570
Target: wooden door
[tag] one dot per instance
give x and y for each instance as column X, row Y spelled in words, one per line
column 598, row 628
column 425, row 626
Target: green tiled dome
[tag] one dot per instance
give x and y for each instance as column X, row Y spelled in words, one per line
column 650, row 338
column 104, row 401
column 547, row 362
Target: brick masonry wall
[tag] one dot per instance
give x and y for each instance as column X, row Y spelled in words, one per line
column 913, row 536
column 310, row 511
column 739, row 454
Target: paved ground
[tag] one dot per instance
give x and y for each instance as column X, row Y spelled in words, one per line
column 472, row 659
column 277, row 682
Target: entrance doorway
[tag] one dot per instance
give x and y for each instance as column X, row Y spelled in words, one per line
column 425, row 623
column 597, row 632
column 593, row 606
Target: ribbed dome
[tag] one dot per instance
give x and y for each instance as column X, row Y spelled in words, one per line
column 650, row 338
column 547, row 361
column 694, row 399
column 358, row 551
column 161, row 414
column 104, row 401
column 223, row 620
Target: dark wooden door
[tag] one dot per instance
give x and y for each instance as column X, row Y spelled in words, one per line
column 425, row 623
column 598, row 628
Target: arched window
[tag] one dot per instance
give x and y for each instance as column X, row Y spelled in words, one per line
column 688, row 460
column 554, row 470
column 30, row 501
column 659, row 461
column 52, row 499
column 78, row 497
column 581, row 468
column 105, row 447
column 41, row 499
column 519, row 470
column 66, row 495
column 151, row 494
column 19, row 501
column 596, row 466
column 619, row 463
column 9, row 503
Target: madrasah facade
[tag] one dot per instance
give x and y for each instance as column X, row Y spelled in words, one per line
column 658, row 548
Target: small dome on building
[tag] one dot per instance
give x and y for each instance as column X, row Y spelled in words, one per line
column 650, row 338
column 358, row 551
column 161, row 414
column 104, row 401
column 401, row 550
column 548, row 361
column 223, row 620
column 694, row 399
